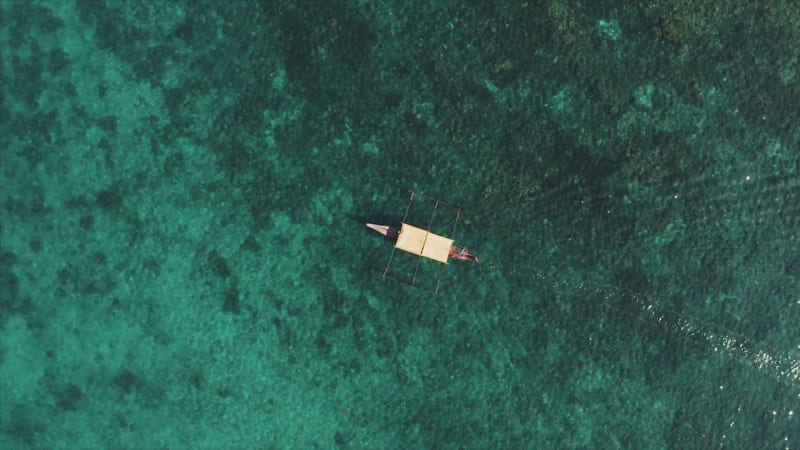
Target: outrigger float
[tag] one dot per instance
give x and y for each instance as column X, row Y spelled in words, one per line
column 423, row 243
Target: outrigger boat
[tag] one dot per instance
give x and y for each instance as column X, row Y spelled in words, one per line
column 423, row 243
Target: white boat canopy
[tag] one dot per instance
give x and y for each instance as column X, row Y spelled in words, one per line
column 421, row 242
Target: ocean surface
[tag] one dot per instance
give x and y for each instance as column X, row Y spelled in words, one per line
column 184, row 262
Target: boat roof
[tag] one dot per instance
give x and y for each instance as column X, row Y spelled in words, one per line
column 422, row 242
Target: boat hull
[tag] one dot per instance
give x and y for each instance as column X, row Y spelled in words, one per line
column 385, row 230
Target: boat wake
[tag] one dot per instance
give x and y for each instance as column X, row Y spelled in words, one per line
column 780, row 366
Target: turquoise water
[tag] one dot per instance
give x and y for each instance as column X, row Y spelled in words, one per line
column 184, row 265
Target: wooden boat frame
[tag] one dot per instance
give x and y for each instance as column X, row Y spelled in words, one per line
column 413, row 280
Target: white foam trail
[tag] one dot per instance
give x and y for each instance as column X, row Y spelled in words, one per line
column 779, row 366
